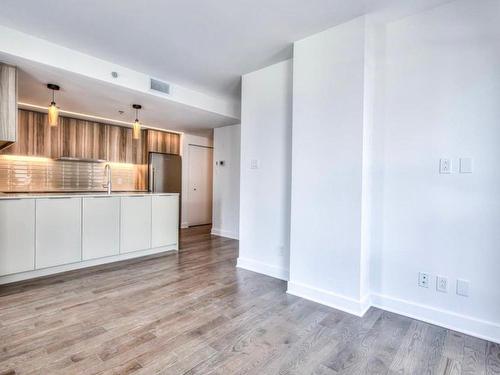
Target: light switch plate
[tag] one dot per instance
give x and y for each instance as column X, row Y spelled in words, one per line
column 463, row 288
column 445, row 166
column 465, row 165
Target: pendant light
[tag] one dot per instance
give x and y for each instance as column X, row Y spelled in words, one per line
column 136, row 128
column 53, row 111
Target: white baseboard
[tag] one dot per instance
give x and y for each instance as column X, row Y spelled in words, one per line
column 224, row 233
column 324, row 297
column 84, row 264
column 184, row 225
column 263, row 268
column 457, row 322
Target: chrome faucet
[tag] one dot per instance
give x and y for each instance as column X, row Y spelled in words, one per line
column 107, row 173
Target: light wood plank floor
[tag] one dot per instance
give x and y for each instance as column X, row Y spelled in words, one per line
column 195, row 313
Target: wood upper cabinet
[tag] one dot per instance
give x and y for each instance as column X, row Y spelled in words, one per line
column 8, row 105
column 83, row 139
column 77, row 138
column 122, row 148
column 168, row 143
column 35, row 136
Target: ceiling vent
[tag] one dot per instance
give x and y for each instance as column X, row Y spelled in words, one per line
column 159, row 86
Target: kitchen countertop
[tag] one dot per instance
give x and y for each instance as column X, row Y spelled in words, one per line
column 77, row 195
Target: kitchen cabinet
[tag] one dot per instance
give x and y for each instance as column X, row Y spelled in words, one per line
column 135, row 223
column 8, row 105
column 17, row 236
column 167, row 143
column 76, row 138
column 35, row 136
column 165, row 220
column 83, row 139
column 122, row 148
column 101, row 227
column 58, row 231
column 44, row 234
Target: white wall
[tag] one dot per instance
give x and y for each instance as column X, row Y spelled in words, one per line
column 375, row 106
column 328, row 120
column 187, row 139
column 226, row 177
column 265, row 191
column 440, row 99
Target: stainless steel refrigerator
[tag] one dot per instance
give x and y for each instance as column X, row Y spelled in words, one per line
column 165, row 173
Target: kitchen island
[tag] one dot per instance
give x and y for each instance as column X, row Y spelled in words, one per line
column 48, row 233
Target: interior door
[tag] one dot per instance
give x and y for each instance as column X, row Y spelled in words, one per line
column 200, row 185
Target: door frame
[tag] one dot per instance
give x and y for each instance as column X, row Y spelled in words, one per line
column 189, row 182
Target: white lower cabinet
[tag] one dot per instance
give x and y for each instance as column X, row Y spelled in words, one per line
column 101, row 227
column 135, row 223
column 165, row 220
column 17, row 236
column 40, row 236
column 58, row 231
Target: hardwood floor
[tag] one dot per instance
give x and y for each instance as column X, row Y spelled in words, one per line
column 195, row 313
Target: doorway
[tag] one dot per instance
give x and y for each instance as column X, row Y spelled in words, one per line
column 200, row 185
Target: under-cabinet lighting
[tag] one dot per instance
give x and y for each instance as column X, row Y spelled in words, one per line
column 24, row 105
column 25, row 158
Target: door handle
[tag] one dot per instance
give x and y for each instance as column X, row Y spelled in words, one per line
column 153, row 182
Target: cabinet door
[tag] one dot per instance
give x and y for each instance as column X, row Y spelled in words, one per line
column 165, row 220
column 8, row 105
column 58, row 231
column 17, row 236
column 83, row 139
column 164, row 142
column 135, row 223
column 101, row 227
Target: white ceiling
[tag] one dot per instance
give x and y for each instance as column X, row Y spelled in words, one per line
column 202, row 44
column 88, row 96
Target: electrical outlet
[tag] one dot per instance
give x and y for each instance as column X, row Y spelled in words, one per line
column 463, row 288
column 423, row 280
column 254, row 164
column 442, row 284
column 282, row 249
column 445, row 166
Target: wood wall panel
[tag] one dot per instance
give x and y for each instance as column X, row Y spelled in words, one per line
column 87, row 139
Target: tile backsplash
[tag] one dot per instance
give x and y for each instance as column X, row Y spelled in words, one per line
column 34, row 174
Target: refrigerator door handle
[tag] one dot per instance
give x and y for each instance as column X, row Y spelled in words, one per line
column 153, row 182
